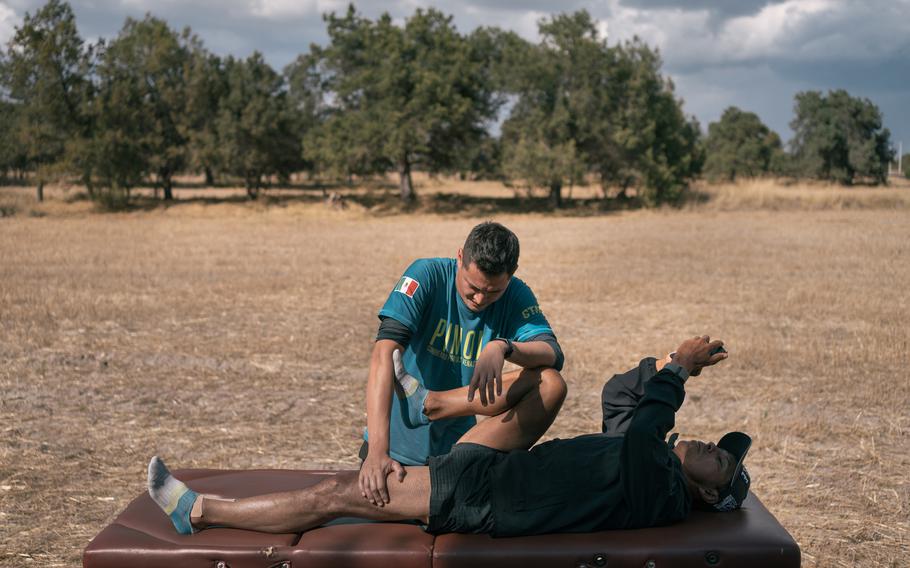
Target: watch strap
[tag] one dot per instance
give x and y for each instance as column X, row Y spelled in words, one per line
column 677, row 370
column 510, row 347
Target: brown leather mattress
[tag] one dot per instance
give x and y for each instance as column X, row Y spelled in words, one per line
column 142, row 537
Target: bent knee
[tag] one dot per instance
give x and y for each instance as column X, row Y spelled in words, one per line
column 552, row 384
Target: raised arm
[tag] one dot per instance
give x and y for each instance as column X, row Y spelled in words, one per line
column 621, row 395
column 646, row 463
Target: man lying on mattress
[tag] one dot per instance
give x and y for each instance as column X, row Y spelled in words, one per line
column 628, row 476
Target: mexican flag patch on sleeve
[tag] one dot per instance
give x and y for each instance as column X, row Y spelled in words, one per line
column 407, row 286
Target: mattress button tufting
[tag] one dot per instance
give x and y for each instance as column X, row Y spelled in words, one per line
column 650, row 564
column 712, row 557
column 600, row 559
column 221, row 564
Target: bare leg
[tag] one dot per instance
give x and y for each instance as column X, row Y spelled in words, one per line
column 531, row 399
column 336, row 496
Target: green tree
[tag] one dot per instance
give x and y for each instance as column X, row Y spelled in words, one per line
column 257, row 128
column 305, row 97
column 115, row 151
column 740, row 145
column 145, row 68
column 483, row 160
column 400, row 97
column 839, row 138
column 644, row 139
column 12, row 156
column 206, row 84
column 551, row 128
column 116, row 159
column 46, row 76
column 586, row 108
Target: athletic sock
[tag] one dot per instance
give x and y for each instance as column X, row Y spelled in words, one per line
column 174, row 498
column 411, row 392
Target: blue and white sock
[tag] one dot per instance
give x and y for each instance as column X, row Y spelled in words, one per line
column 410, row 391
column 174, row 498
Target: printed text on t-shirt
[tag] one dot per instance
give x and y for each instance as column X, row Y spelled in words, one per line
column 450, row 342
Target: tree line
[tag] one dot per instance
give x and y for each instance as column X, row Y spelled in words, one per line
column 837, row 138
column 379, row 97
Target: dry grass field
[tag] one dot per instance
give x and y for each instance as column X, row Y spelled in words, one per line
column 237, row 335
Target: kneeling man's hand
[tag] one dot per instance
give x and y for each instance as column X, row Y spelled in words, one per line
column 695, row 354
column 487, row 377
column 374, row 474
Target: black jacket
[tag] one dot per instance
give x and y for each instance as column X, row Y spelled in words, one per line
column 625, row 477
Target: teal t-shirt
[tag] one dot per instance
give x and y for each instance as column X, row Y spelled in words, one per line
column 446, row 340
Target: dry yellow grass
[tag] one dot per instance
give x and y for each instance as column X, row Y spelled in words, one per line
column 772, row 195
column 237, row 335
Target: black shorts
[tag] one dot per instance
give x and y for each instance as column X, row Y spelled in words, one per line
column 460, row 490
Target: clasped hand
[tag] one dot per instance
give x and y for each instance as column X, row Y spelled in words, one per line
column 699, row 352
column 487, row 377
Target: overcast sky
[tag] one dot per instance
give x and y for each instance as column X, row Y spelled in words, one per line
column 754, row 54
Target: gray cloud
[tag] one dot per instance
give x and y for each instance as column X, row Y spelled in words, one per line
column 723, row 9
column 546, row 6
column 8, row 21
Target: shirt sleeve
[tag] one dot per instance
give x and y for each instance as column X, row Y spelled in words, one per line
column 647, row 464
column 391, row 328
column 550, row 340
column 411, row 295
column 526, row 318
column 622, row 393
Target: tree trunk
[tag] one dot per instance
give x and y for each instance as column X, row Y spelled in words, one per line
column 89, row 187
column 252, row 188
column 168, row 184
column 555, row 195
column 40, row 191
column 406, row 187
column 623, row 194
column 209, row 176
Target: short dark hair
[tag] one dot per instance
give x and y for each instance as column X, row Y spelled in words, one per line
column 493, row 248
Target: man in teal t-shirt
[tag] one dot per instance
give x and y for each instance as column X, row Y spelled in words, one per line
column 455, row 322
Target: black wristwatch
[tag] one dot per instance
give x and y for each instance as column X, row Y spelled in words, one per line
column 510, row 347
column 677, row 370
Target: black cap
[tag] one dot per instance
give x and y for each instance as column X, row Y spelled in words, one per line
column 734, row 494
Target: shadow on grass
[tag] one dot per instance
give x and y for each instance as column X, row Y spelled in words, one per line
column 323, row 186
column 461, row 205
column 382, row 204
column 386, row 202
column 149, row 203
